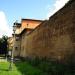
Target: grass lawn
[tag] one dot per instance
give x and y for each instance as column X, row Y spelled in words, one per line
column 4, row 69
column 19, row 68
column 34, row 68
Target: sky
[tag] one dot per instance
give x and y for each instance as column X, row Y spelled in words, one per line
column 12, row 10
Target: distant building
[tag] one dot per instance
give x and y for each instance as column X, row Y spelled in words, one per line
column 10, row 43
column 23, row 28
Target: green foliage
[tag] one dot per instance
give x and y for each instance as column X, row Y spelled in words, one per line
column 3, row 45
column 49, row 67
column 27, row 69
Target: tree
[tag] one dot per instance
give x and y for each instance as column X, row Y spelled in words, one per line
column 3, row 45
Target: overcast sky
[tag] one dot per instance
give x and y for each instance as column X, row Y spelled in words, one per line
column 12, row 10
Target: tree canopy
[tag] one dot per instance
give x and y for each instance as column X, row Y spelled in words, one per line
column 3, row 45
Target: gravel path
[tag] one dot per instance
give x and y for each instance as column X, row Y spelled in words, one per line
column 3, row 59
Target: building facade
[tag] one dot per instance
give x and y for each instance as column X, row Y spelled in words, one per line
column 10, row 43
column 22, row 29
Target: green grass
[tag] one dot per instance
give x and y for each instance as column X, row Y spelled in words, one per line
column 27, row 69
column 4, row 69
column 37, row 67
column 19, row 68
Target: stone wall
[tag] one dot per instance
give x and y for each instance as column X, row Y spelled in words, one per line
column 54, row 38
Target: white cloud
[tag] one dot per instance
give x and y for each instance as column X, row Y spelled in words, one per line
column 4, row 27
column 56, row 6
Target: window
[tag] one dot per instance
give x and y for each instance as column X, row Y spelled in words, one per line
column 27, row 24
column 16, row 48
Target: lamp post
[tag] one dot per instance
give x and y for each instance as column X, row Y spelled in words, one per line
column 12, row 52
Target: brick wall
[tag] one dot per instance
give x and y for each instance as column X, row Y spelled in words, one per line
column 54, row 38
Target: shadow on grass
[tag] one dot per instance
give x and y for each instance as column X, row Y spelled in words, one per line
column 4, row 66
column 27, row 69
column 4, row 69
